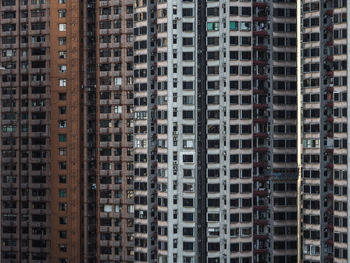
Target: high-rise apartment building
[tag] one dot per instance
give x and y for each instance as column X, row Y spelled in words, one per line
column 174, row 131
column 66, row 131
column 115, row 158
column 215, row 139
column 47, row 187
column 325, row 131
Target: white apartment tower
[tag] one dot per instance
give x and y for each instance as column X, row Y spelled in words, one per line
column 216, row 131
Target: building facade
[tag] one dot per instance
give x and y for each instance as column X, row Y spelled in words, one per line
column 325, row 142
column 115, row 158
column 173, row 131
column 47, row 193
column 215, row 134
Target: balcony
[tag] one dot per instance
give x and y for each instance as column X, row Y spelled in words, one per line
column 330, row 165
column 259, row 91
column 329, row 28
column 259, row 3
column 330, row 135
column 330, row 150
column 329, row 12
column 260, row 47
column 260, row 120
column 260, row 106
column 330, row 257
column 330, row 43
column 261, row 32
column 330, row 89
column 261, row 251
column 261, row 222
column 330, row 119
column 259, row 77
column 264, row 236
column 260, row 178
column 260, row 18
column 260, row 192
column 260, row 62
column 330, row 181
column 260, row 135
column 260, row 149
column 260, row 164
column 330, row 104
column 329, row 58
column 330, row 74
column 260, row 207
column 330, row 242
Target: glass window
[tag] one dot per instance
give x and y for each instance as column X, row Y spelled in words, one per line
column 62, row 206
column 62, row 54
column 63, row 82
column 62, row 151
column 62, row 192
column 233, row 25
column 62, row 96
column 62, row 41
column 62, row 13
column 62, row 68
column 62, row 110
column 62, row 137
column 62, row 27
column 62, row 179
column 213, row 26
column 62, row 124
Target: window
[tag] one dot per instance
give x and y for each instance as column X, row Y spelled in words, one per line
column 63, row 234
column 187, row 158
column 62, row 68
column 62, row 110
column 245, row 26
column 62, row 179
column 62, row 151
column 62, row 192
column 62, row 13
column 233, row 25
column 62, row 27
column 187, row 27
column 62, row 165
column 62, row 96
column 63, row 248
column 62, row 41
column 117, row 81
column 213, row 26
column 63, row 82
column 62, row 54
column 188, row 143
column 62, row 206
column 118, row 109
column 188, row 173
column 187, row 12
column 61, row 1
column 62, row 124
column 187, row 216
column 62, row 220
column 188, row 187
column 62, row 137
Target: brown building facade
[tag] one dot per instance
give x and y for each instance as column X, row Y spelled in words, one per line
column 48, row 176
column 115, row 196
